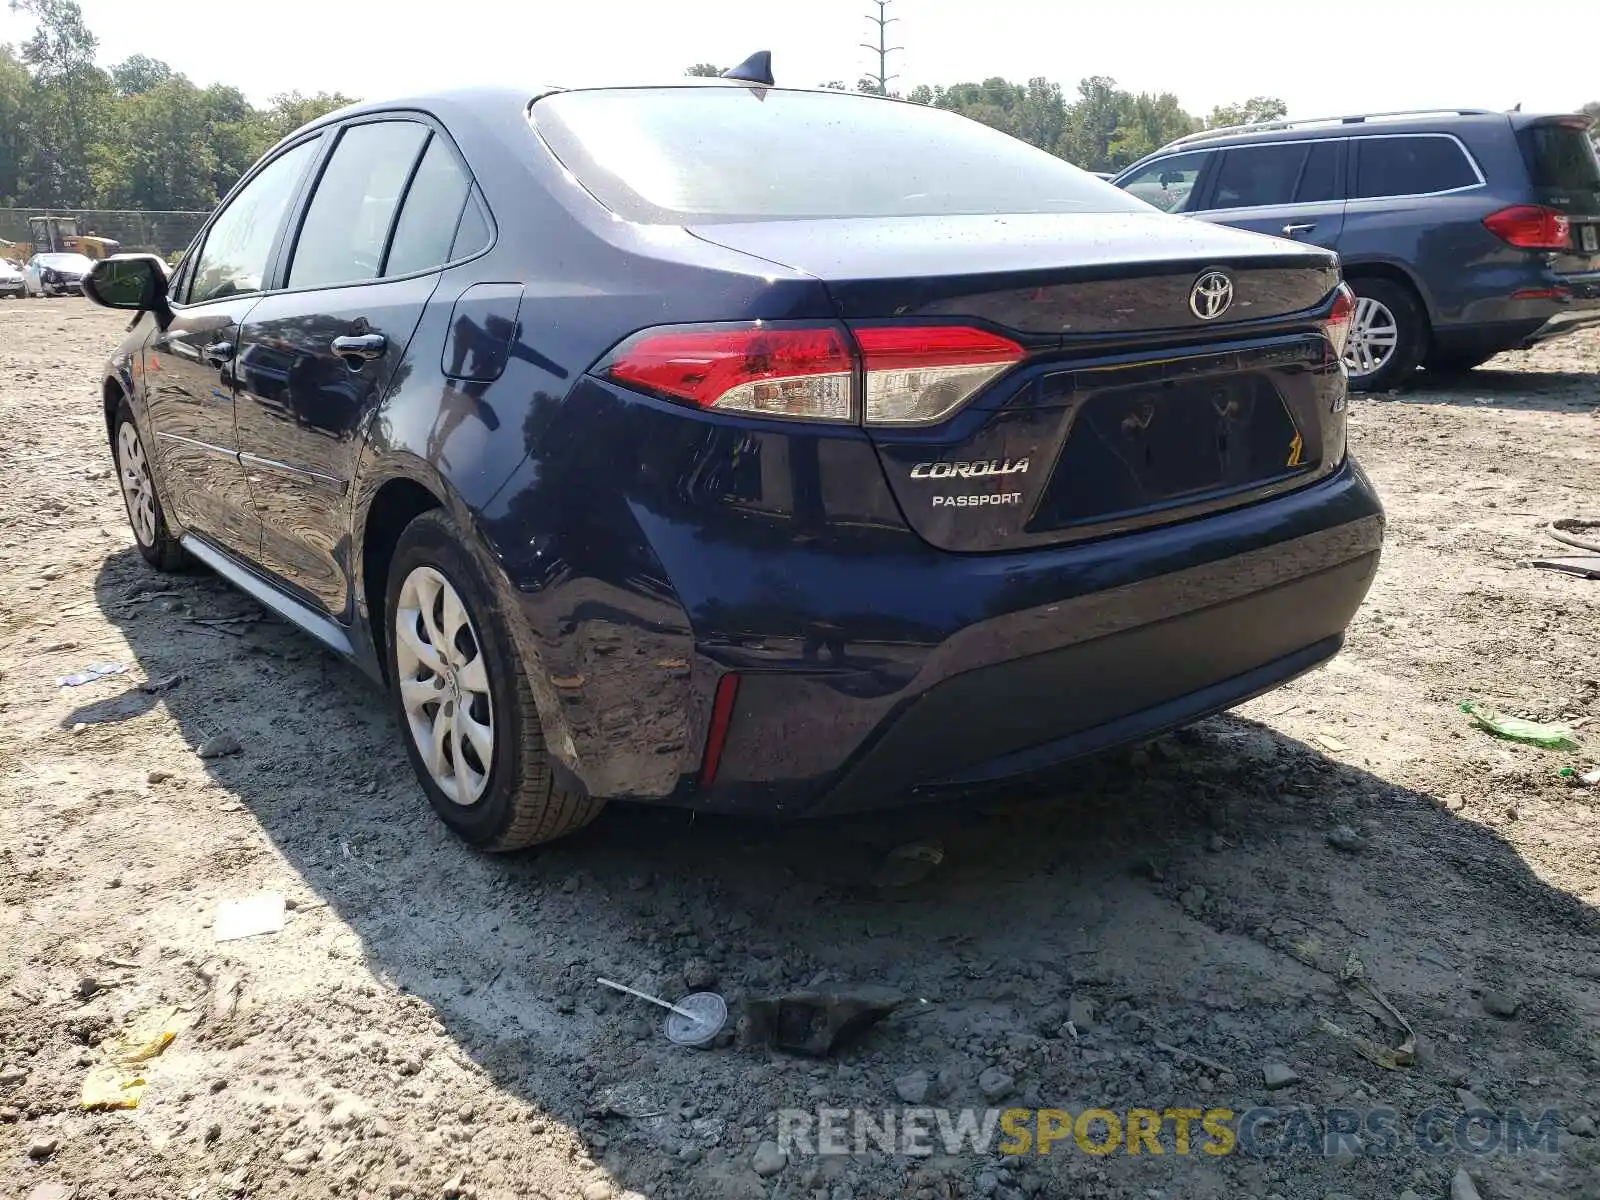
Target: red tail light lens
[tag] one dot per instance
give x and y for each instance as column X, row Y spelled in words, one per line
column 795, row 372
column 1337, row 326
column 1531, row 226
column 717, row 732
column 917, row 375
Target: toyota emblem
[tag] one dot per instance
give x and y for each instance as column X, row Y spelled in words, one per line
column 1211, row 296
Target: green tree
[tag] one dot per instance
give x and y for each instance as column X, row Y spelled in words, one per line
column 165, row 158
column 288, row 111
column 139, row 74
column 16, row 94
column 1257, row 108
column 704, row 71
column 70, row 108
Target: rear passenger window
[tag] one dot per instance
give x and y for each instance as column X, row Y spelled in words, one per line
column 1409, row 166
column 1169, row 183
column 347, row 224
column 430, row 214
column 1319, row 180
column 1254, row 176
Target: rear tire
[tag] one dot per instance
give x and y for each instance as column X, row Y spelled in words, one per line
column 146, row 517
column 466, row 714
column 1388, row 336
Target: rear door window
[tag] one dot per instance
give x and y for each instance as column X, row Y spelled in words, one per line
column 1560, row 158
column 1257, row 176
column 1170, row 183
column 347, row 224
column 1410, row 166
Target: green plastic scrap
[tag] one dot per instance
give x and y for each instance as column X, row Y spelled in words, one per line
column 1551, row 737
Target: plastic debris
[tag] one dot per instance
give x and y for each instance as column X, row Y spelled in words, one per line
column 1585, row 779
column 118, row 1082
column 90, row 673
column 111, row 1086
column 250, row 917
column 693, row 1021
column 816, row 1023
column 908, row 864
column 1533, row 733
column 145, row 1038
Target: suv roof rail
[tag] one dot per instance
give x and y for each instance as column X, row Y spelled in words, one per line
column 1350, row 119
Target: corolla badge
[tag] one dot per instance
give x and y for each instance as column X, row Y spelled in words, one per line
column 1211, row 296
column 970, row 470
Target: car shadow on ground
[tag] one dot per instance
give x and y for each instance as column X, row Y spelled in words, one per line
column 1508, row 388
column 1185, row 894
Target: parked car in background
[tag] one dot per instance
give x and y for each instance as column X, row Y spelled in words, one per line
column 1464, row 233
column 653, row 466
column 11, row 281
column 55, row 274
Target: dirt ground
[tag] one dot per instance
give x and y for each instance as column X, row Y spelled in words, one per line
column 426, row 1024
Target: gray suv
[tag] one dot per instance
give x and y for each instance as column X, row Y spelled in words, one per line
column 1463, row 233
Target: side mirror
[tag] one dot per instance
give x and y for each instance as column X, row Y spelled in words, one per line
column 132, row 281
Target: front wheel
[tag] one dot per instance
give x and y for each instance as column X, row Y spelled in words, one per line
column 472, row 732
column 1388, row 335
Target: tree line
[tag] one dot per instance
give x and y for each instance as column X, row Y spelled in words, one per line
column 139, row 135
column 1102, row 128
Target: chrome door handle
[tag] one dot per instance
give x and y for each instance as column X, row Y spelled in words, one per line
column 1292, row 230
column 218, row 353
column 360, row 346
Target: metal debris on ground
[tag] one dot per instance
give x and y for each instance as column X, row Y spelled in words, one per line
column 1585, row 566
column 908, row 864
column 250, row 916
column 1518, row 729
column 693, row 1021
column 815, row 1023
column 90, row 673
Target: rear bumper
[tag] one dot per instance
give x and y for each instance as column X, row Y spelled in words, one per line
column 1507, row 323
column 1069, row 652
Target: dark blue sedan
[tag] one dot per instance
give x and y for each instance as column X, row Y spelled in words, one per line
column 757, row 450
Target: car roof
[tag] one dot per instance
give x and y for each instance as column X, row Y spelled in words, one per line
column 1361, row 124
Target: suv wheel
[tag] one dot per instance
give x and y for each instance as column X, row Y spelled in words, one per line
column 145, row 515
column 1388, row 335
column 472, row 732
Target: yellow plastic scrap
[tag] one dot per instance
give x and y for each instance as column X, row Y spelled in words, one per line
column 109, row 1086
column 117, row 1082
column 146, row 1038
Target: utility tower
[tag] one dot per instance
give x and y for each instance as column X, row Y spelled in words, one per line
column 882, row 49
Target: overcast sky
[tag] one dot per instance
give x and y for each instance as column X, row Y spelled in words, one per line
column 1322, row 59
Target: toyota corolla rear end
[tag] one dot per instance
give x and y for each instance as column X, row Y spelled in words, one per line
column 1042, row 471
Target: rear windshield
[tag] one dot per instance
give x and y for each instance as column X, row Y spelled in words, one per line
column 709, row 154
column 1560, row 157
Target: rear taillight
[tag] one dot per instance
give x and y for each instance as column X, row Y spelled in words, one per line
column 913, row 374
column 1337, row 326
column 1531, row 227
column 917, row 375
column 803, row 372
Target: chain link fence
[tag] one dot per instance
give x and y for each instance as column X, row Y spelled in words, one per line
column 142, row 231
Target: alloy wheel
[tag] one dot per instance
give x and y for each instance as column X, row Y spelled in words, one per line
column 138, row 490
column 1374, row 334
column 444, row 685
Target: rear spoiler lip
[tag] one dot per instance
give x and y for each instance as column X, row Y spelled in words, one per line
column 1520, row 121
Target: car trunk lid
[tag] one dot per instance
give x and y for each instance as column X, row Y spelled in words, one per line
column 1167, row 367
